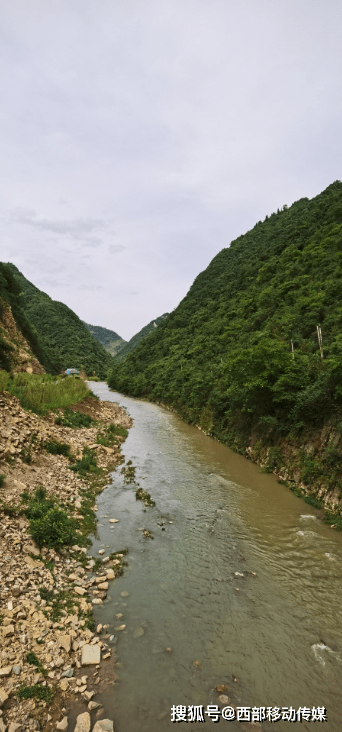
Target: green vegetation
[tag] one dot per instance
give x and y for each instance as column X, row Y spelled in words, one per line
column 70, row 343
column 144, row 496
column 106, row 436
column 10, row 294
column 2, row 479
column 42, row 693
column 110, row 340
column 42, row 393
column 127, row 348
column 88, row 463
column 128, row 472
column 57, row 603
column 4, row 379
column 57, row 448
column 75, row 419
column 50, row 526
column 34, row 661
column 224, row 357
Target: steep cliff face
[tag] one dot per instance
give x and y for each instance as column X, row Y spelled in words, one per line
column 15, row 352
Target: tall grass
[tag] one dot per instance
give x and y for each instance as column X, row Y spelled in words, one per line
column 4, row 379
column 42, row 393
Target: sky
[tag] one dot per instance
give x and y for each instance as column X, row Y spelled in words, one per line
column 140, row 137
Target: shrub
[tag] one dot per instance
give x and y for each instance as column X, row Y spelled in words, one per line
column 57, row 448
column 50, row 526
column 54, row 529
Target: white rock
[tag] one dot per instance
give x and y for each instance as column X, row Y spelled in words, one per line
column 101, row 551
column 104, row 725
column 91, row 655
column 5, row 671
column 63, row 724
column 83, row 723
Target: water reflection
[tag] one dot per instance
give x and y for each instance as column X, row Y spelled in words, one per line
column 243, row 584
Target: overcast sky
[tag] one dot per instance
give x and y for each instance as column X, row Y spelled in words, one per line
column 139, row 137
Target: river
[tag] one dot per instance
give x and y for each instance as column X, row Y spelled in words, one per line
column 242, row 581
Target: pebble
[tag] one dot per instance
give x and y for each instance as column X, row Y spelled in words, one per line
column 223, row 699
column 113, row 521
column 101, row 551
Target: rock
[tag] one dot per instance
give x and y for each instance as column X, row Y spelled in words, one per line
column 113, row 521
column 64, row 685
column 83, row 722
column 32, row 563
column 120, row 627
column 97, row 601
column 78, row 504
column 99, row 628
column 104, row 725
column 101, row 551
column 106, row 655
column 8, row 630
column 103, row 586
column 15, row 727
column 3, row 727
column 5, row 671
column 124, row 593
column 93, row 705
column 223, row 699
column 31, row 549
column 80, row 590
column 110, row 574
column 91, row 655
column 221, row 689
column 88, row 695
column 138, row 632
column 17, row 670
column 64, row 641
column 63, row 724
column 68, row 673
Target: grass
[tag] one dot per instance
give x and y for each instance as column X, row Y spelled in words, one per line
column 4, row 379
column 41, row 393
column 43, row 693
column 34, row 661
column 75, row 419
column 64, row 600
column 87, row 464
column 107, row 435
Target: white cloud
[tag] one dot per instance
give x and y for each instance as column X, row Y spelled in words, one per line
column 170, row 127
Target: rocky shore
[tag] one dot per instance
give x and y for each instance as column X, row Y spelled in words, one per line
column 51, row 655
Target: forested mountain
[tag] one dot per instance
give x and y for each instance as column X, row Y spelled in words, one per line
column 59, row 331
column 224, row 357
column 132, row 344
column 110, row 340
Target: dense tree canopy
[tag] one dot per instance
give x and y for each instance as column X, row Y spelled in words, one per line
column 224, row 357
column 63, row 335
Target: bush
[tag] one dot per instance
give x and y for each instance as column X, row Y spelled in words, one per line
column 57, row 448
column 50, row 526
column 54, row 529
column 75, row 419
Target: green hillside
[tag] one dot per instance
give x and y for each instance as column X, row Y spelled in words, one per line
column 10, row 295
column 110, row 340
column 223, row 358
column 60, row 329
column 132, row 344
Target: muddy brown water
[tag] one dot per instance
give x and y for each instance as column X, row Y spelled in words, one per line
column 279, row 632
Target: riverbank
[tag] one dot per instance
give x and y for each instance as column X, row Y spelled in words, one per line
column 50, row 655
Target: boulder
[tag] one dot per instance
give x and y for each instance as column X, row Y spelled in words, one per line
column 91, row 655
column 104, row 725
column 83, row 722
